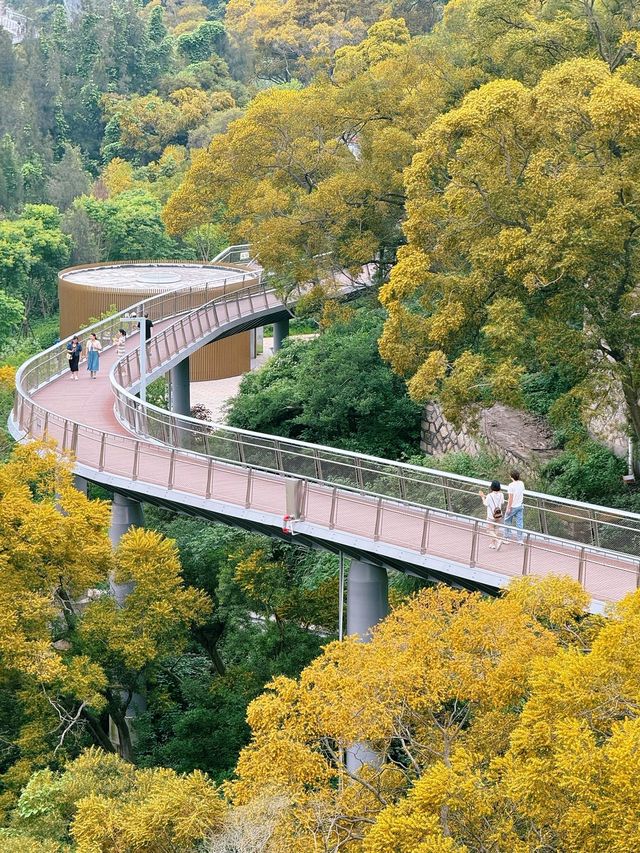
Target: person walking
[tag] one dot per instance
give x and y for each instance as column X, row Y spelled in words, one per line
column 93, row 354
column 120, row 341
column 74, row 349
column 494, row 502
column 514, row 515
column 147, row 327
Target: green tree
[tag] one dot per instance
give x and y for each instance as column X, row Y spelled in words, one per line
column 334, row 390
column 131, row 226
column 522, row 242
column 33, row 249
column 206, row 39
column 68, row 179
column 10, row 176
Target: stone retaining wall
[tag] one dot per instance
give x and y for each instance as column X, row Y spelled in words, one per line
column 522, row 439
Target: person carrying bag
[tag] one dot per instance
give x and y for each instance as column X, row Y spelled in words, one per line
column 494, row 502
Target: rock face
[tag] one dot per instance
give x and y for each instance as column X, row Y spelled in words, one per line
column 524, row 440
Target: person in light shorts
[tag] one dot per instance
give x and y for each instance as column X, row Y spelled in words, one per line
column 514, row 516
column 493, row 503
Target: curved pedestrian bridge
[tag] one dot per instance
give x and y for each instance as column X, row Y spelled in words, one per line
column 385, row 513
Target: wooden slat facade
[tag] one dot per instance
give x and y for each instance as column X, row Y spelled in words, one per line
column 79, row 303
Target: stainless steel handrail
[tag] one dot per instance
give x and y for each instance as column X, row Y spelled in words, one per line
column 349, row 476
column 599, row 525
column 143, row 463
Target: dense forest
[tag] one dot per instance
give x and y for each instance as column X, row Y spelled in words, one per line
column 480, row 157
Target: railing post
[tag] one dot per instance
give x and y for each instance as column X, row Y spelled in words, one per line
column 473, row 556
column 526, row 558
column 334, row 508
column 45, row 429
column 359, row 477
column 582, row 565
column 64, row 431
column 209, row 479
column 595, row 530
column 402, row 483
column 425, row 533
column 376, row 534
column 136, row 461
column 543, row 518
column 447, row 496
column 103, row 443
column 247, row 497
column 277, row 448
column 172, row 467
column 74, row 439
column 317, row 464
column 304, row 500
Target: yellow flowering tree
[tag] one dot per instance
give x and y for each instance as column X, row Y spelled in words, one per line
column 522, row 232
column 99, row 803
column 313, row 177
column 436, row 695
column 68, row 655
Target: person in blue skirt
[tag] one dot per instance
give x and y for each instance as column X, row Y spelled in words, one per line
column 93, row 354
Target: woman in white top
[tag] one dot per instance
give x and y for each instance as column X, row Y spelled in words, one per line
column 93, row 354
column 493, row 502
column 120, row 341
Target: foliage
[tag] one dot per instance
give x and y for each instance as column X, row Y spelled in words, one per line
column 100, row 802
column 449, row 693
column 130, row 226
column 32, row 250
column 510, row 227
column 325, row 193
column 332, row 390
column 11, row 316
column 68, row 653
column 298, row 38
column 265, row 594
column 588, row 473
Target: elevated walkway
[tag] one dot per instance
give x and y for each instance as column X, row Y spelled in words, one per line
column 385, row 513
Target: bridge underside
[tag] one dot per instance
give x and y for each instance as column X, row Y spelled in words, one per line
column 272, row 526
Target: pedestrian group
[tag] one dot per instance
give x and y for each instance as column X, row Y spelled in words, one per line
column 505, row 519
column 94, row 348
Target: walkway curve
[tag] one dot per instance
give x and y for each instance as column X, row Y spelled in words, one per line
column 421, row 521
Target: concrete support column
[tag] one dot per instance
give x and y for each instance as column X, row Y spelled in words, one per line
column 367, row 604
column 367, row 598
column 180, row 392
column 125, row 513
column 280, row 332
column 80, row 483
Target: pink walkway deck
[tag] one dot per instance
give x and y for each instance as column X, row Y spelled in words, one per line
column 606, row 576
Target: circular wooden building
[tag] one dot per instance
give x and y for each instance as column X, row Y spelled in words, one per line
column 88, row 291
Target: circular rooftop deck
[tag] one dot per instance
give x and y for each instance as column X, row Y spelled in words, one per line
column 144, row 277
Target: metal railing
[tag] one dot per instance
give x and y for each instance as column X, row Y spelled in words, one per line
column 52, row 362
column 611, row 529
column 403, row 525
column 405, row 505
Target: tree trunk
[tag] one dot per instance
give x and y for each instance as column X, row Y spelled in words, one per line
column 98, row 732
column 633, row 410
column 125, row 746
